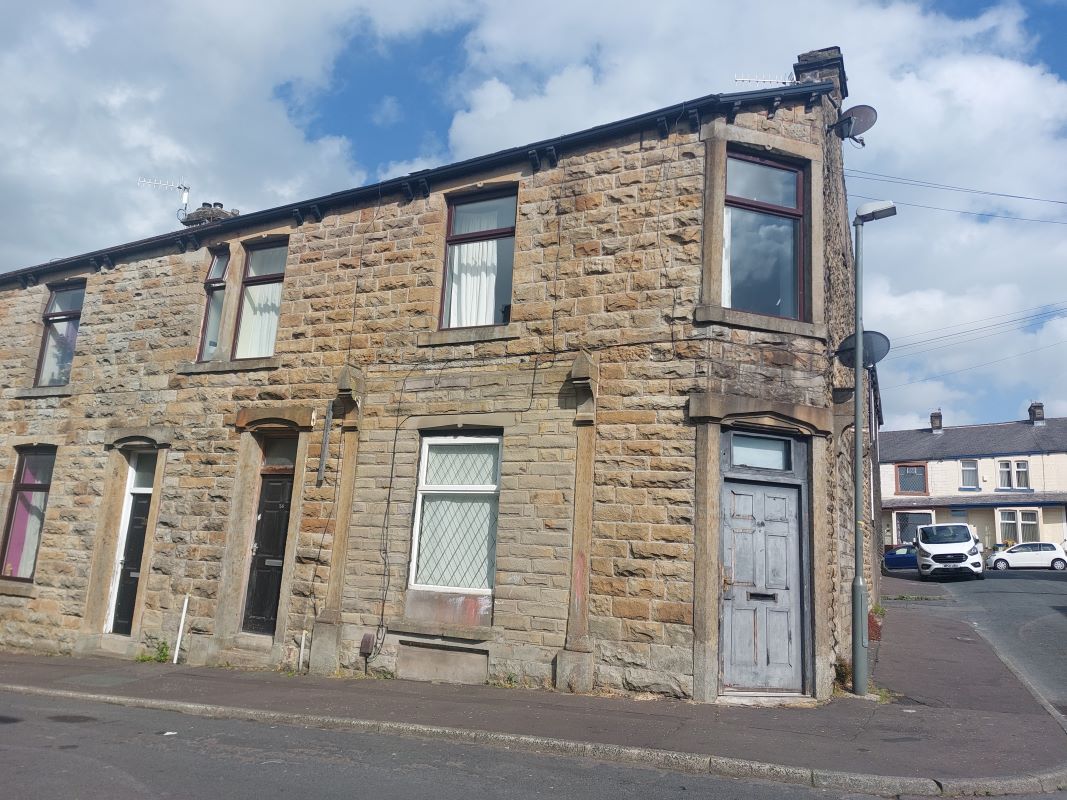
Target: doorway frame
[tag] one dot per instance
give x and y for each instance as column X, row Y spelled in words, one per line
column 797, row 476
column 120, row 539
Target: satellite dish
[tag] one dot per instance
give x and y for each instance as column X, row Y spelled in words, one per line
column 855, row 121
column 875, row 348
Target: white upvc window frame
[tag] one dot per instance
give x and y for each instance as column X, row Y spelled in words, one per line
column 1021, row 467
column 1017, row 514
column 124, row 523
column 964, row 469
column 1010, row 474
column 422, row 491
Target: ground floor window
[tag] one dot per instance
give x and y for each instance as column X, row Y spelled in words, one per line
column 25, row 518
column 1019, row 526
column 454, row 539
column 908, row 523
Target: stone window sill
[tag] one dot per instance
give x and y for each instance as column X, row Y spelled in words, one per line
column 17, row 589
column 44, row 391
column 489, row 333
column 471, row 633
column 759, row 322
column 244, row 365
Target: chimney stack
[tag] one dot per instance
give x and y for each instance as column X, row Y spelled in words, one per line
column 1037, row 413
column 935, row 422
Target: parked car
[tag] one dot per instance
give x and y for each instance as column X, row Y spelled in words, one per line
column 1033, row 555
column 902, row 557
column 951, row 548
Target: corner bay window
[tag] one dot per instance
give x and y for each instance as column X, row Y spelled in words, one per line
column 215, row 288
column 25, row 517
column 481, row 249
column 261, row 302
column 62, row 316
column 762, row 258
column 454, row 541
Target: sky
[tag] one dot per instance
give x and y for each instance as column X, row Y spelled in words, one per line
column 257, row 103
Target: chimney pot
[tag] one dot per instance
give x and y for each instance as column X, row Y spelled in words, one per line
column 218, row 205
column 205, row 205
column 1037, row 413
column 935, row 421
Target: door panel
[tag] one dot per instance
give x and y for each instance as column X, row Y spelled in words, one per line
column 761, row 588
column 130, row 567
column 268, row 553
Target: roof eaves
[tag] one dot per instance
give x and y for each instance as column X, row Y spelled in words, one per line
column 806, row 91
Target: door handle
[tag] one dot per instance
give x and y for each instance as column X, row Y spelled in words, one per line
column 255, row 547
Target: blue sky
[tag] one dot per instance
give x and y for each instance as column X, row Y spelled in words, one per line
column 260, row 103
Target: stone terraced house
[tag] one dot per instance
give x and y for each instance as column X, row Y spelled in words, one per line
column 560, row 415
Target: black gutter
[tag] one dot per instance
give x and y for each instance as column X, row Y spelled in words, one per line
column 670, row 116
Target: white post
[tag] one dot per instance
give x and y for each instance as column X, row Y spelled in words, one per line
column 300, row 662
column 181, row 629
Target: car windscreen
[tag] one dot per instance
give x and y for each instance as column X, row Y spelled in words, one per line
column 945, row 534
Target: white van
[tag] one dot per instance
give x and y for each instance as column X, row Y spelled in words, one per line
column 950, row 548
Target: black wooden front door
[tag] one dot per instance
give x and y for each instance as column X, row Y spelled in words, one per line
column 130, row 568
column 268, row 554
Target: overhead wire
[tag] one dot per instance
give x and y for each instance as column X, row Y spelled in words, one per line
column 961, row 211
column 883, row 178
column 975, row 366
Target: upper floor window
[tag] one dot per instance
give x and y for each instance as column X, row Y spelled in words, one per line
column 261, row 302
column 25, row 517
column 1017, row 478
column 62, row 316
column 481, row 250
column 969, row 474
column 762, row 258
column 215, row 288
column 1022, row 475
column 911, row 479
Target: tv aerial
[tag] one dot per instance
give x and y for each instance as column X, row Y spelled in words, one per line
column 181, row 186
column 854, row 121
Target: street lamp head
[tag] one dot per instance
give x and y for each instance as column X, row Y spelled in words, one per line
column 877, row 209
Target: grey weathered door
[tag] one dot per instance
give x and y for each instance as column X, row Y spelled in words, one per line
column 761, row 600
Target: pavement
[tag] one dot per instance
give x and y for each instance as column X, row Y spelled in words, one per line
column 958, row 721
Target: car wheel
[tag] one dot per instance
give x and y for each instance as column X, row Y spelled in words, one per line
column 1000, row 563
column 1059, row 564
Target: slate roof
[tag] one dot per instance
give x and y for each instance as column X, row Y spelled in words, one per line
column 976, row 500
column 973, row 441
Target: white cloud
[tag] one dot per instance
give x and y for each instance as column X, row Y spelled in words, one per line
column 97, row 94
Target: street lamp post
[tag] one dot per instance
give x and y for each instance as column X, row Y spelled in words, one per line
column 868, row 212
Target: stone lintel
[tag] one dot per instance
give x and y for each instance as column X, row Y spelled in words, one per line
column 44, row 391
column 708, row 314
column 731, row 409
column 472, row 633
column 298, row 417
column 488, row 333
column 151, row 436
column 242, row 365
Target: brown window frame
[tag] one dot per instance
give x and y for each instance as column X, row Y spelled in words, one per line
column 49, row 320
column 212, row 285
column 17, row 487
column 478, row 236
column 926, row 477
column 800, row 213
column 246, row 281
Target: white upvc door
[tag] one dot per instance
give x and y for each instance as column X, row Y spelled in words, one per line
column 135, row 480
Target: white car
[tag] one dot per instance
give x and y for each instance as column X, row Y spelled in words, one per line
column 1039, row 555
column 948, row 548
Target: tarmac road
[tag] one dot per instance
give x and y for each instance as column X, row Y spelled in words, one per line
column 57, row 748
